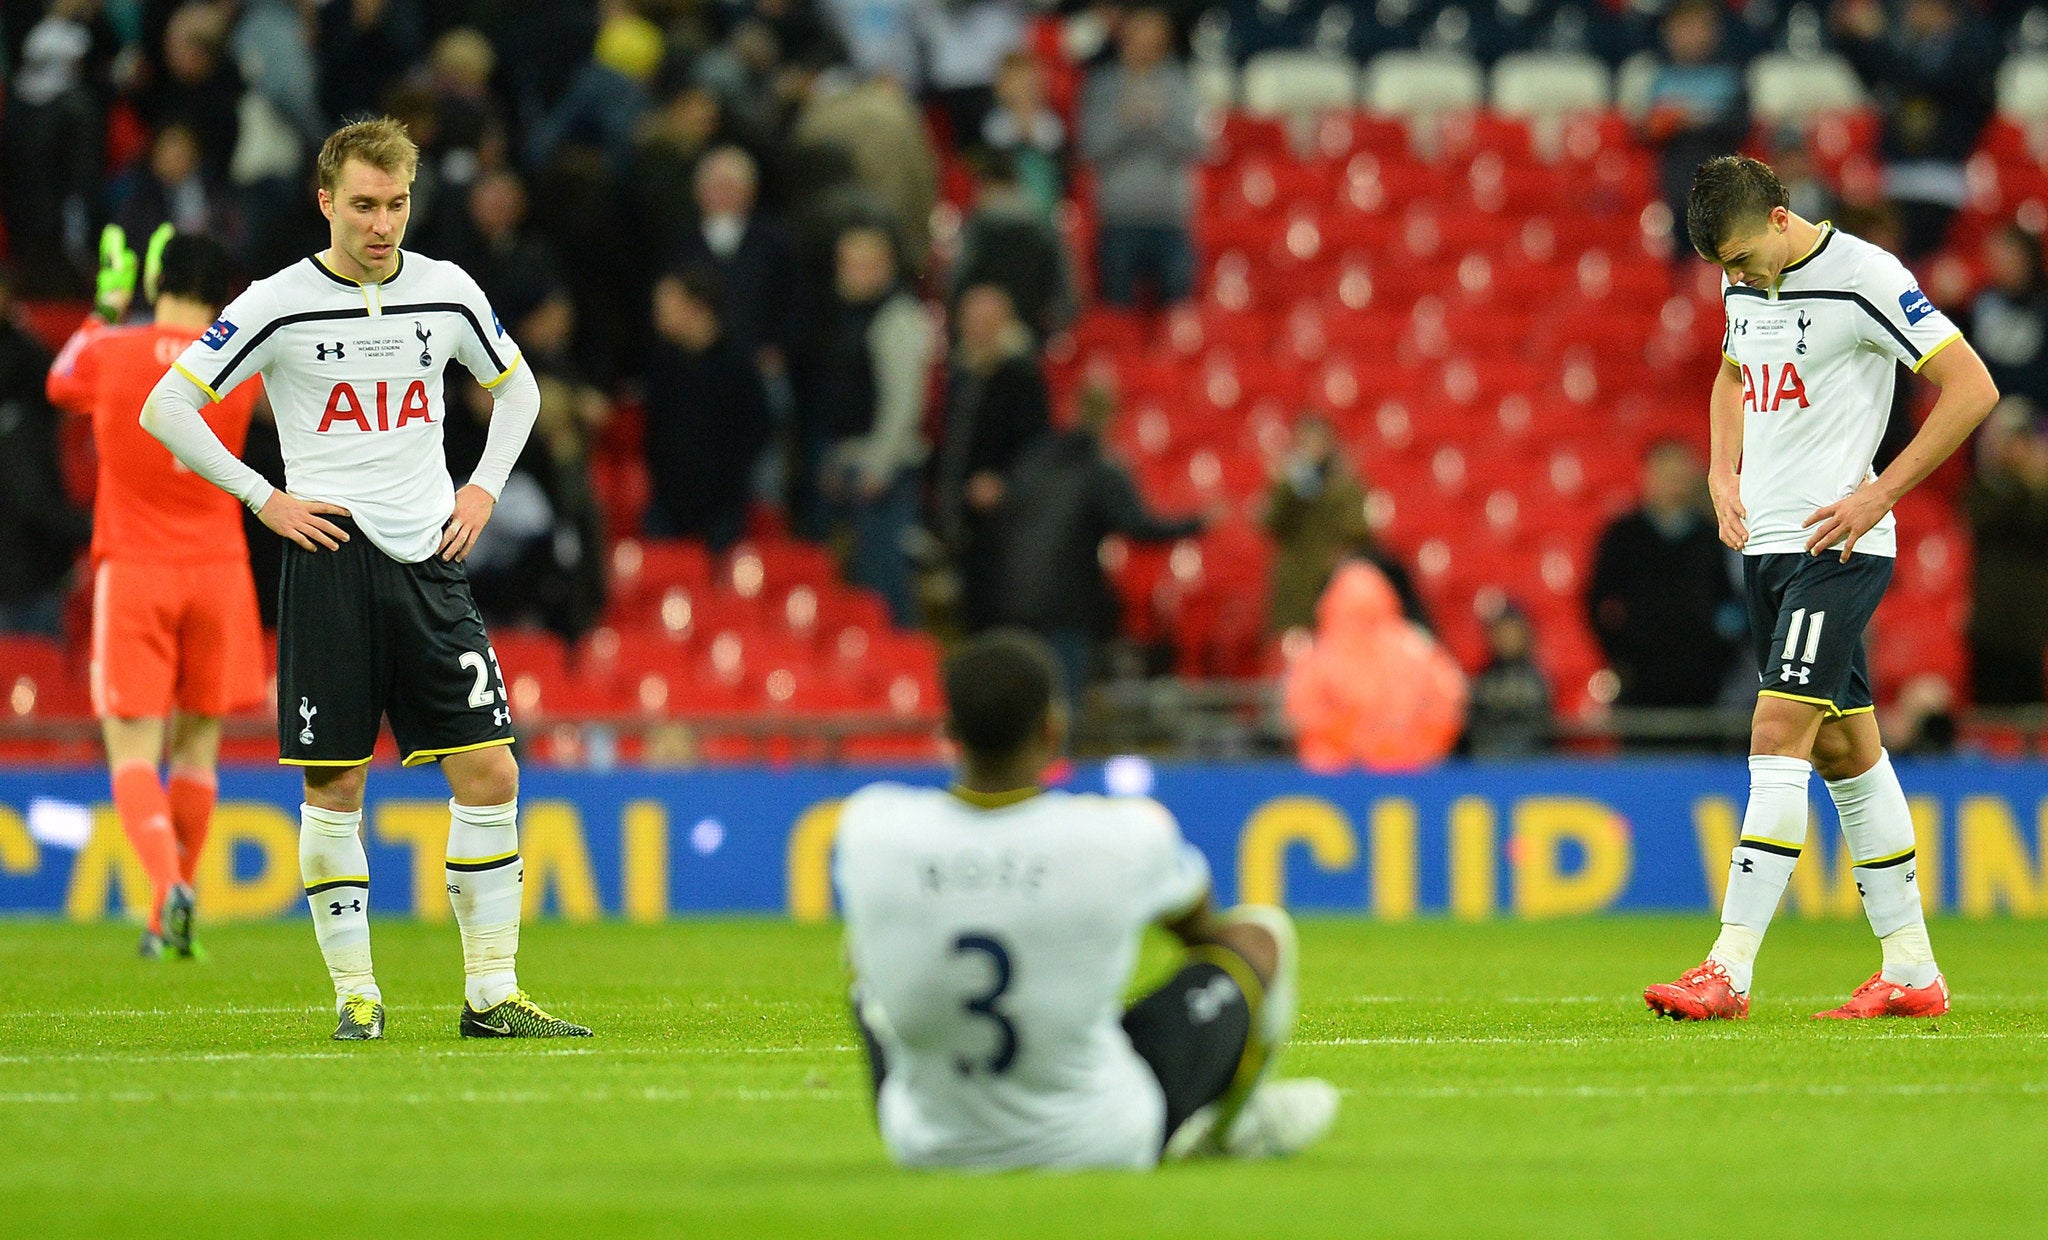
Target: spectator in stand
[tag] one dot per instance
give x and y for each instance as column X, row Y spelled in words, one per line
column 754, row 257
column 1315, row 511
column 2007, row 503
column 41, row 530
column 962, row 44
column 1138, row 127
column 1008, row 241
column 1024, row 127
column 1510, row 714
column 867, row 409
column 996, row 406
column 1662, row 599
column 877, row 126
column 1931, row 71
column 602, row 108
column 707, row 414
column 1697, row 106
column 1064, row 496
column 541, row 559
column 282, row 124
column 515, row 266
column 2008, row 321
column 880, row 38
column 51, row 135
column 805, row 32
column 165, row 186
column 364, row 46
column 1372, row 689
column 198, row 85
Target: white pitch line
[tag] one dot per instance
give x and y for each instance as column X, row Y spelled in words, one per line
column 1625, row 1092
column 1616, row 1040
column 696, row 1052
column 522, row 1097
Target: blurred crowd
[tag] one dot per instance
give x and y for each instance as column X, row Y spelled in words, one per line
column 818, row 249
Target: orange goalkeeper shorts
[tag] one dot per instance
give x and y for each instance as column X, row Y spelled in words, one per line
column 184, row 635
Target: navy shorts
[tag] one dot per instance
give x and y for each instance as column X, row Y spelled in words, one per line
column 1807, row 614
column 362, row 637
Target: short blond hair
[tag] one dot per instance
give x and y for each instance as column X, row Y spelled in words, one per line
column 380, row 141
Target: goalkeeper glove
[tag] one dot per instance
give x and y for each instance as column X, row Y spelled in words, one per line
column 153, row 259
column 114, row 287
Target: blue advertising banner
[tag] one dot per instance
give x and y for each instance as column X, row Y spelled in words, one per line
column 1540, row 839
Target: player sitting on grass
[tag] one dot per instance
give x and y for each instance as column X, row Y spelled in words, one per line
column 992, row 929
column 1818, row 324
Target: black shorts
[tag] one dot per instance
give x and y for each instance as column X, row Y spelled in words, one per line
column 1192, row 1032
column 1807, row 614
column 361, row 636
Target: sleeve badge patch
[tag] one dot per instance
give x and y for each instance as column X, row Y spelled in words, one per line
column 218, row 335
column 1915, row 304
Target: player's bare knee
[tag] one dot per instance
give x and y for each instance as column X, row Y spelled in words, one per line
column 1255, row 945
column 338, row 788
column 482, row 776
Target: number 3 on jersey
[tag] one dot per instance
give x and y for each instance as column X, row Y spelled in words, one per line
column 984, row 1005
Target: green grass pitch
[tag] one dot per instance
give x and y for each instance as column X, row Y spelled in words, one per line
column 1500, row 1079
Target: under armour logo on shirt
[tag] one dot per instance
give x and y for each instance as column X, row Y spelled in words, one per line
column 321, row 350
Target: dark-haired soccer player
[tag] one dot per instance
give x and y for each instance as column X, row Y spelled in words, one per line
column 174, row 621
column 993, row 927
column 375, row 614
column 1818, row 322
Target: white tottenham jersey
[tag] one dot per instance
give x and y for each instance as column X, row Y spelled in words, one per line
column 990, row 950
column 353, row 372
column 1819, row 356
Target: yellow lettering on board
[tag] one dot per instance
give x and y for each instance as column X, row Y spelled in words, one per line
column 808, row 867
column 1280, row 824
column 1394, row 828
column 421, row 826
column 1823, row 883
column 104, row 863
column 275, row 888
column 1474, row 859
column 552, row 848
column 1542, row 825
column 1927, row 849
column 1993, row 870
column 18, row 851
column 1716, row 826
column 643, row 844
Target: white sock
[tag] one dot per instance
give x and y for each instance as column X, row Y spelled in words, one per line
column 485, row 884
column 1879, row 826
column 1773, row 833
column 337, row 876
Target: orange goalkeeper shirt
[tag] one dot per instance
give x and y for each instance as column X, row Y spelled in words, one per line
column 149, row 506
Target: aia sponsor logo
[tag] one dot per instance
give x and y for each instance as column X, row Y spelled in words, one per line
column 218, row 335
column 1767, row 388
column 347, row 406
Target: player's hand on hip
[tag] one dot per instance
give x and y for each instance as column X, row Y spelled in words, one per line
column 302, row 521
column 473, row 507
column 1729, row 513
column 1845, row 521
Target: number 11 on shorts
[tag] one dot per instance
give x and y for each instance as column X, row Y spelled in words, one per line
column 1812, row 625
